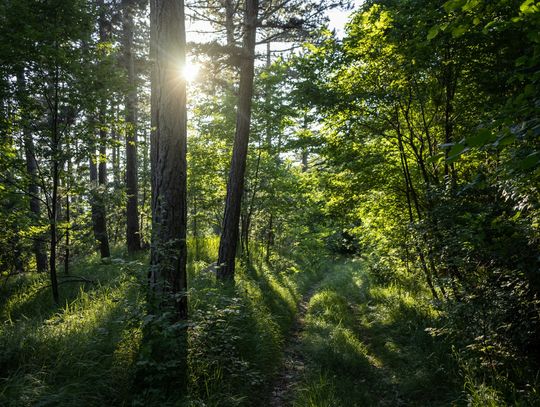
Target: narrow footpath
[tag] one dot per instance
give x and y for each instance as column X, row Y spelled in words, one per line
column 360, row 342
column 293, row 359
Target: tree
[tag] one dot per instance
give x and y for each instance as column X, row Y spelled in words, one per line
column 429, row 138
column 280, row 21
column 133, row 239
column 98, row 164
column 235, row 185
column 32, row 169
column 168, row 153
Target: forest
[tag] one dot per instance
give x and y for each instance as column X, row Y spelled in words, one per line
column 255, row 203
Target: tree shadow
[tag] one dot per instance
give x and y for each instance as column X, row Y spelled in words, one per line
column 372, row 344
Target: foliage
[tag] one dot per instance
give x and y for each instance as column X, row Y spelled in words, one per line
column 438, row 119
column 365, row 345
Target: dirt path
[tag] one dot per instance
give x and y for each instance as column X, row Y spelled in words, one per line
column 293, row 360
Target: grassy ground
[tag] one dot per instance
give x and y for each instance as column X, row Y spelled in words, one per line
column 363, row 342
column 366, row 345
column 86, row 351
column 81, row 351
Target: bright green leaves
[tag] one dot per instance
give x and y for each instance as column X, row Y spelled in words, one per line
column 453, row 5
column 529, row 7
column 433, row 32
column 483, row 139
column 471, row 5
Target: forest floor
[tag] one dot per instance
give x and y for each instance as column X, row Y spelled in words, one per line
column 293, row 359
column 357, row 342
column 353, row 340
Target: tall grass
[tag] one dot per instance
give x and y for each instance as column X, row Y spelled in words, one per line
column 79, row 351
column 366, row 345
column 238, row 332
column 86, row 351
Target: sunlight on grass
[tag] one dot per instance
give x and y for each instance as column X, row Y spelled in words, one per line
column 237, row 335
column 82, row 350
column 370, row 340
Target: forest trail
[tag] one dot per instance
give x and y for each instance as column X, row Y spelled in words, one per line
column 358, row 342
column 293, row 364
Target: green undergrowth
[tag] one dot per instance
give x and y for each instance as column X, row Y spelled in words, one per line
column 366, row 345
column 87, row 350
column 79, row 352
column 237, row 333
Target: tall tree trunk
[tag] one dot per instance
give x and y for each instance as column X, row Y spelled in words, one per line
column 68, row 242
column 229, row 23
column 99, row 214
column 32, row 170
column 53, row 209
column 168, row 153
column 235, row 186
column 67, row 219
column 133, row 238
column 53, row 231
column 98, row 209
column 168, row 144
column 144, row 182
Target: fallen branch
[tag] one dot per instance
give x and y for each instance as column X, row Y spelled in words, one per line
column 66, row 280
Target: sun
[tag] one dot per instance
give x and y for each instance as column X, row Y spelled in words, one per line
column 190, row 71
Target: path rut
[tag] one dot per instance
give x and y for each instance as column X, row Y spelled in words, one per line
column 293, row 361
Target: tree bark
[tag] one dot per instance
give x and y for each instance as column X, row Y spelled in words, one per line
column 168, row 154
column 32, row 170
column 229, row 23
column 99, row 191
column 235, row 186
column 98, row 209
column 53, row 212
column 133, row 239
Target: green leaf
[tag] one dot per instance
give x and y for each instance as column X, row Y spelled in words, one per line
column 435, row 158
column 433, row 32
column 455, row 152
column 471, row 5
column 479, row 139
column 506, row 140
column 528, row 7
column 459, row 31
column 452, row 5
column 456, row 149
column 488, row 26
column 530, row 161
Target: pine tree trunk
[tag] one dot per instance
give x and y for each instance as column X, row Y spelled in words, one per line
column 168, row 153
column 133, row 239
column 98, row 210
column 33, row 188
column 99, row 214
column 235, row 186
column 53, row 213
